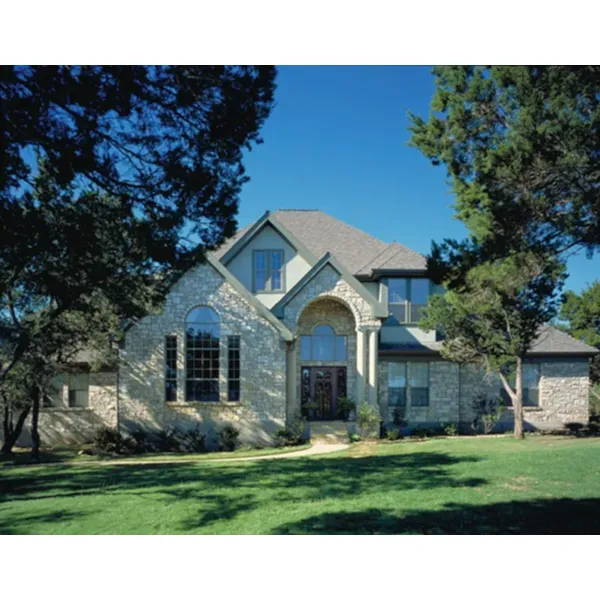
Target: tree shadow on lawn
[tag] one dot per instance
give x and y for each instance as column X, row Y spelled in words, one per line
column 224, row 491
column 15, row 524
column 534, row 517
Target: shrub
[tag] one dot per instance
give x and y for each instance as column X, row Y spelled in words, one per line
column 108, row 440
column 367, row 419
column 138, row 442
column 228, row 437
column 354, row 437
column 419, row 432
column 450, row 429
column 574, row 427
column 487, row 412
column 167, row 441
column 293, row 434
column 398, row 417
column 345, row 407
column 392, row 434
column 193, row 440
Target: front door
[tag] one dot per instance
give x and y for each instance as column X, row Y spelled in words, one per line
column 321, row 386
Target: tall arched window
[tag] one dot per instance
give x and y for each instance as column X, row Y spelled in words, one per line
column 323, row 344
column 202, row 355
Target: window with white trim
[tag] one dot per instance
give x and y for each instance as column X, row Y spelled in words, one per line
column 408, row 384
column 268, row 271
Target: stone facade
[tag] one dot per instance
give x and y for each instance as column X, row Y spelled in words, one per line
column 63, row 425
column 563, row 395
column 262, row 406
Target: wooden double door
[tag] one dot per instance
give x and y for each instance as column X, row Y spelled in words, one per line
column 321, row 387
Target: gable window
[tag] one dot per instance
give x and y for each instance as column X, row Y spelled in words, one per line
column 171, row 368
column 202, row 329
column 79, row 385
column 233, row 368
column 408, row 384
column 323, row 344
column 407, row 298
column 268, row 270
column 531, row 385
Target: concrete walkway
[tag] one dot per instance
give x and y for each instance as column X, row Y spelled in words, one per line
column 315, row 449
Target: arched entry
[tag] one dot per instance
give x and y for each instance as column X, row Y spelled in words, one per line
column 326, row 357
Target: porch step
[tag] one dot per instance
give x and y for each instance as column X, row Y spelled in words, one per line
column 328, row 432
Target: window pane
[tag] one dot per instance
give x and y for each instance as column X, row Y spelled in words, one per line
column 233, row 368
column 399, row 311
column 171, row 368
column 323, row 330
column 419, row 374
column 419, row 396
column 260, row 260
column 323, row 347
column 202, row 356
column 276, row 281
column 202, row 314
column 341, row 352
column 397, row 375
column 415, row 312
column 260, row 280
column 276, row 260
column 419, row 291
column 531, row 397
column 396, row 290
column 78, row 398
column 305, row 342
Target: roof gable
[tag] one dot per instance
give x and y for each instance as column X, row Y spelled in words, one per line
column 379, row 310
column 318, row 233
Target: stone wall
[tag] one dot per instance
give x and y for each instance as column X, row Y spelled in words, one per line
column 262, row 407
column 563, row 395
column 63, row 426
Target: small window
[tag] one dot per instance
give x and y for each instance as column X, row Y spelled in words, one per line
column 171, row 368
column 408, row 383
column 531, row 386
column 268, row 271
column 323, row 345
column 233, row 368
column 79, row 385
column 407, row 298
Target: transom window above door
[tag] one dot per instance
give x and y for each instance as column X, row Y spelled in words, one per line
column 323, row 345
column 268, row 271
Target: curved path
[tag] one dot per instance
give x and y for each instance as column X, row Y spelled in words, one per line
column 313, row 450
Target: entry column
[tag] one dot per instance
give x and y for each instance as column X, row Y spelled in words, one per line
column 361, row 365
column 373, row 366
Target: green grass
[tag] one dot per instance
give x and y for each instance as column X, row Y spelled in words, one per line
column 458, row 485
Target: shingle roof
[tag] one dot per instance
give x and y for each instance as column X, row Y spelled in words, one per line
column 554, row 341
column 356, row 250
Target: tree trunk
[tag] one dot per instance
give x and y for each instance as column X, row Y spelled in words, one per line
column 35, row 435
column 518, row 401
column 15, row 432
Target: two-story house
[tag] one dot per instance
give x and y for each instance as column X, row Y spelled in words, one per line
column 293, row 312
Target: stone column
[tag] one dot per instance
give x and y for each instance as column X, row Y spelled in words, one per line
column 291, row 378
column 373, row 366
column 361, row 365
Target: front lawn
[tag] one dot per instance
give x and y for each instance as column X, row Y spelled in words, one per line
column 457, row 485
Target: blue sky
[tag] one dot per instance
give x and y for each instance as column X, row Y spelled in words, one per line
column 337, row 141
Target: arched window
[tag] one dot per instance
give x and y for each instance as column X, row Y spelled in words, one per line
column 202, row 355
column 323, row 344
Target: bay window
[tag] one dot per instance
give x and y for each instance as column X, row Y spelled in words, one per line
column 407, row 297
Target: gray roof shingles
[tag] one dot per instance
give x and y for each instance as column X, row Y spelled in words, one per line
column 356, row 250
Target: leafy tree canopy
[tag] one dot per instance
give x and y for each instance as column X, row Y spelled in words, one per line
column 521, row 146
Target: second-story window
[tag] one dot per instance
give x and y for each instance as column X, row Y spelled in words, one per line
column 407, row 297
column 268, row 271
